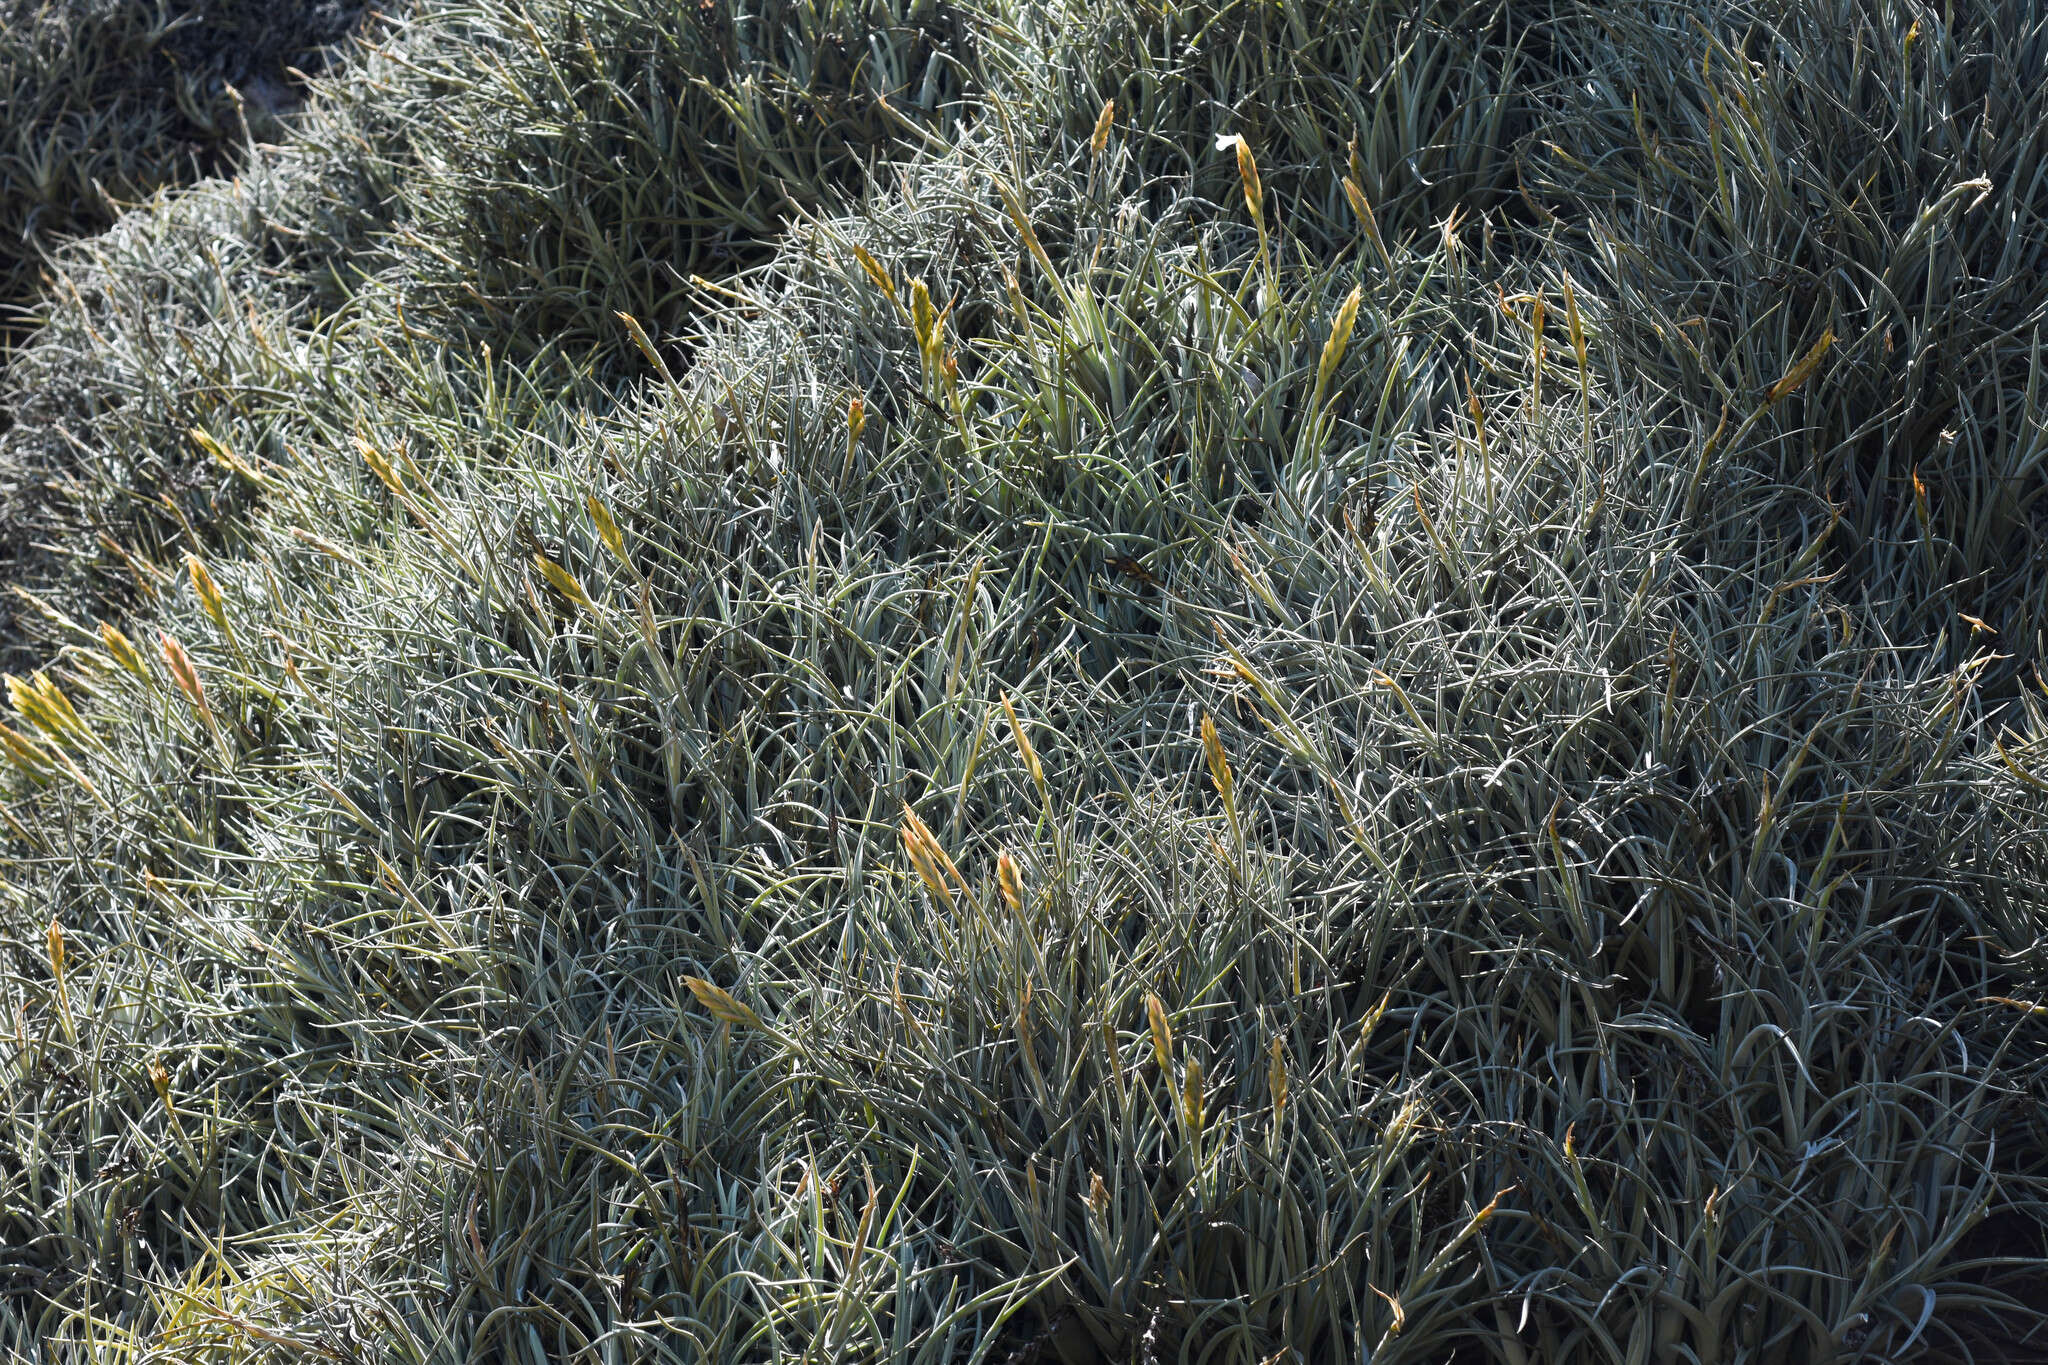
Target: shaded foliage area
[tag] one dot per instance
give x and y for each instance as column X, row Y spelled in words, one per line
column 109, row 100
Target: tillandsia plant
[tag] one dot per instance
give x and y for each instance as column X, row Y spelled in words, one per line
column 796, row 683
column 107, row 102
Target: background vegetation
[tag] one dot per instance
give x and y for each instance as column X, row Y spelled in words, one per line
column 1219, row 681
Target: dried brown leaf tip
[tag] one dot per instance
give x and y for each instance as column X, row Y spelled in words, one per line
column 1276, row 1075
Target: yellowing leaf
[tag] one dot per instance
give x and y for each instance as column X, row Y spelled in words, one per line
column 381, row 467
column 1340, row 338
column 875, row 272
column 924, row 319
column 123, row 651
column 721, row 1005
column 607, row 529
column 933, row 865
column 1219, row 764
column 1578, row 330
column 184, row 674
column 209, row 593
column 1022, row 222
column 642, row 341
column 1024, row 749
column 564, row 582
column 902, row 1006
column 1362, row 208
column 1162, row 1034
column 24, row 753
column 1802, row 369
column 227, row 457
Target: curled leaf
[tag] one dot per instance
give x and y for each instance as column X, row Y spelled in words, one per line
column 1400, row 1317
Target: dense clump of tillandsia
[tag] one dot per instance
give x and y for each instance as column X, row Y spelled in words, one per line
column 610, row 159
column 1136, row 749
column 1861, row 181
column 624, row 150
column 108, row 100
column 107, row 104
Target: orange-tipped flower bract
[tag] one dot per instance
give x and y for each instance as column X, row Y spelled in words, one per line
column 1010, row 883
column 184, row 674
